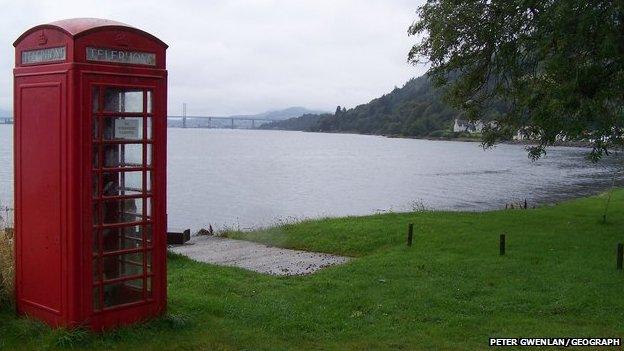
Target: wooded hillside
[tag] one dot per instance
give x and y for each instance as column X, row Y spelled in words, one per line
column 416, row 109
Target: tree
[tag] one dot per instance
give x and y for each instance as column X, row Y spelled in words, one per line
column 555, row 67
column 416, row 100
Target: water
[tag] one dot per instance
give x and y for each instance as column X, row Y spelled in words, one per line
column 249, row 178
column 6, row 168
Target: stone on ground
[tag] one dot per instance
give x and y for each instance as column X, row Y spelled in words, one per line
column 256, row 257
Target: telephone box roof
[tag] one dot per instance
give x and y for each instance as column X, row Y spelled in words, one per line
column 77, row 27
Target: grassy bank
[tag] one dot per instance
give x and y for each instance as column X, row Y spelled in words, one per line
column 451, row 290
column 7, row 266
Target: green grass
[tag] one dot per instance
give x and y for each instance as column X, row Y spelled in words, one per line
column 451, row 290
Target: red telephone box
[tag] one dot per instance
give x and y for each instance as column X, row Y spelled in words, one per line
column 90, row 101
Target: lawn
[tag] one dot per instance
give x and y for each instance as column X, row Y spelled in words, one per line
column 451, row 290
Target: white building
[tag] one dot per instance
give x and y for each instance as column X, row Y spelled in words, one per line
column 466, row 126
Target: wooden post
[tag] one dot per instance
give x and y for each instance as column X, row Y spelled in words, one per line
column 620, row 255
column 502, row 244
column 410, row 234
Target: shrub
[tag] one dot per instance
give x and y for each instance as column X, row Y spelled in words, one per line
column 7, row 266
column 437, row 133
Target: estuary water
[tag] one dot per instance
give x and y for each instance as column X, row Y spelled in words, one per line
column 251, row 178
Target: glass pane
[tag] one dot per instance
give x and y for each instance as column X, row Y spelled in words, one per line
column 95, row 98
column 95, row 156
column 96, row 215
column 96, row 272
column 123, row 155
column 149, row 154
column 138, row 284
column 149, row 287
column 116, row 239
column 148, row 207
column 123, row 100
column 148, row 233
column 122, row 211
column 148, row 181
column 95, row 127
column 148, row 258
column 149, row 101
column 122, row 183
column 123, row 128
column 120, row 266
column 96, row 298
column 122, row 293
column 95, row 185
column 96, row 241
column 149, row 128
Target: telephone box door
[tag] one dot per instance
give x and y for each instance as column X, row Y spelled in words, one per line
column 126, row 128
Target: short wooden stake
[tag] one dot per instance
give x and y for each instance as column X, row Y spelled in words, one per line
column 502, row 244
column 620, row 255
column 410, row 234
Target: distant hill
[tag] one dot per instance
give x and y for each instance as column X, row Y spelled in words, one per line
column 307, row 122
column 287, row 113
column 416, row 109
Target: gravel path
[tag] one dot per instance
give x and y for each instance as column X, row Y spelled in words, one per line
column 256, row 257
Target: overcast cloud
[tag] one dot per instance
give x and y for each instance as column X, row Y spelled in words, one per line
column 248, row 56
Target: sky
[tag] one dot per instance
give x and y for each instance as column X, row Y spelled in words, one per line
column 249, row 56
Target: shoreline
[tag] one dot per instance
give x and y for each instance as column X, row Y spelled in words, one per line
column 579, row 144
column 510, row 205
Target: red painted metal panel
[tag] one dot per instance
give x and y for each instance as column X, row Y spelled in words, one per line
column 41, row 221
column 76, row 27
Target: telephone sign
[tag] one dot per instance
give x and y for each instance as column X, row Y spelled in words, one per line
column 121, row 56
column 43, row 55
